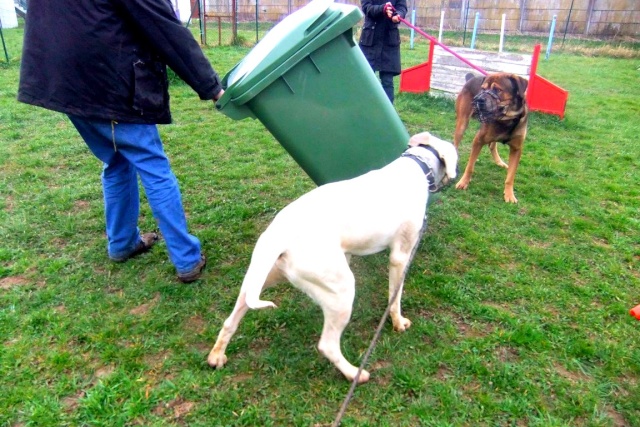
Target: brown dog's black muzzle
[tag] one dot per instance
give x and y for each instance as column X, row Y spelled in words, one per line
column 486, row 106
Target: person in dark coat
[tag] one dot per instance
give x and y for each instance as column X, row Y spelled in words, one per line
column 380, row 39
column 103, row 63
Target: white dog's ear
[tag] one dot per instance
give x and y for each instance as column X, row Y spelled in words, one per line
column 420, row 139
column 450, row 158
column 448, row 154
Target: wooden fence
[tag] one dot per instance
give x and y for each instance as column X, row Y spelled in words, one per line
column 592, row 18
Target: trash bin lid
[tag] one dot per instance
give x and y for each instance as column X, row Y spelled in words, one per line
column 319, row 17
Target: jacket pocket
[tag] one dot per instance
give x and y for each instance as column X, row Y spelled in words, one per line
column 148, row 93
column 394, row 37
column 366, row 37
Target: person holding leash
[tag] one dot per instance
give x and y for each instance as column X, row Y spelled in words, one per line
column 380, row 39
column 103, row 63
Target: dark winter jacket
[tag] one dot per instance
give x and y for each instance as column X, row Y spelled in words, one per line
column 106, row 59
column 380, row 38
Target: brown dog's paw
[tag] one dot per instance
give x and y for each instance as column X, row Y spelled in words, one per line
column 462, row 184
column 509, row 197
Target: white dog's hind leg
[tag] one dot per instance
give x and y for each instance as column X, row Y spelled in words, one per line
column 337, row 313
column 217, row 358
column 330, row 283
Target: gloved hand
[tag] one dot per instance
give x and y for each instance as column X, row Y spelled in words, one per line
column 391, row 12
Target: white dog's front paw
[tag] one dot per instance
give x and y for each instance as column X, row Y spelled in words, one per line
column 362, row 378
column 217, row 360
column 401, row 324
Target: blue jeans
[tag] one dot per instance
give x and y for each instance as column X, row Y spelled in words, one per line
column 128, row 151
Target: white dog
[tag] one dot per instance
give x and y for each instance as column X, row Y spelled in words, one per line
column 310, row 241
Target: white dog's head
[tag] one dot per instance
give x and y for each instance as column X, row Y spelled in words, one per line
column 447, row 152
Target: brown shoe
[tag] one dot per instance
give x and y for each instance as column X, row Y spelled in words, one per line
column 147, row 240
column 194, row 274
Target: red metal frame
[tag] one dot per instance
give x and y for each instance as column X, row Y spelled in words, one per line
column 417, row 79
column 542, row 95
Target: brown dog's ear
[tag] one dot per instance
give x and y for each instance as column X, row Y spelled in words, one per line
column 420, row 139
column 522, row 84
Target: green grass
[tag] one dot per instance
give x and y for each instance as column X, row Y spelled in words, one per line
column 520, row 312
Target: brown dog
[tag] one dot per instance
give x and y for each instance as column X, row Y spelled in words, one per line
column 498, row 101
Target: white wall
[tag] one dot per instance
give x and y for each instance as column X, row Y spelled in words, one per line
column 182, row 7
column 8, row 15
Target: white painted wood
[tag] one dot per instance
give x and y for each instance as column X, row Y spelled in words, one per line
column 448, row 73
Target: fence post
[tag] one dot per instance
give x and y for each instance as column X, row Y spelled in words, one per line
column 553, row 28
column 504, row 16
column 475, row 30
column 566, row 26
column 522, row 14
column 413, row 22
column 587, row 24
column 203, row 28
column 4, row 46
column 234, row 21
column 465, row 17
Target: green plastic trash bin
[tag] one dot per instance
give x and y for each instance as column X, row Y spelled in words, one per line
column 310, row 85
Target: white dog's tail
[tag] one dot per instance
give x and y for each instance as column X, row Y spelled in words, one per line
column 264, row 256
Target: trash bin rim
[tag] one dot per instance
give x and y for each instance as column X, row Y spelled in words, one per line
column 251, row 84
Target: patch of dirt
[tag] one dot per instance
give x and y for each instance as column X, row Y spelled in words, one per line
column 145, row 308
column 500, row 307
column 103, row 372
column 380, row 364
column 9, row 202
column 506, row 354
column 443, row 373
column 617, row 418
column 469, row 331
column 239, row 378
column 196, row 325
column 12, row 281
column 70, row 403
column 59, row 243
column 178, row 407
column 80, row 205
column 259, row 344
column 183, row 408
column 573, row 377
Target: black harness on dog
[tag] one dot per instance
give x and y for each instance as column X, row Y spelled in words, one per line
column 428, row 173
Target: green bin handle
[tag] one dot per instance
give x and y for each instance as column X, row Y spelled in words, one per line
column 233, row 103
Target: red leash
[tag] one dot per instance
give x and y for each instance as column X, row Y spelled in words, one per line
column 434, row 40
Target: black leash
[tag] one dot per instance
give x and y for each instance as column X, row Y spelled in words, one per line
column 376, row 336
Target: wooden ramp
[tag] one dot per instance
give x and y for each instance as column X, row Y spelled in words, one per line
column 448, row 72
